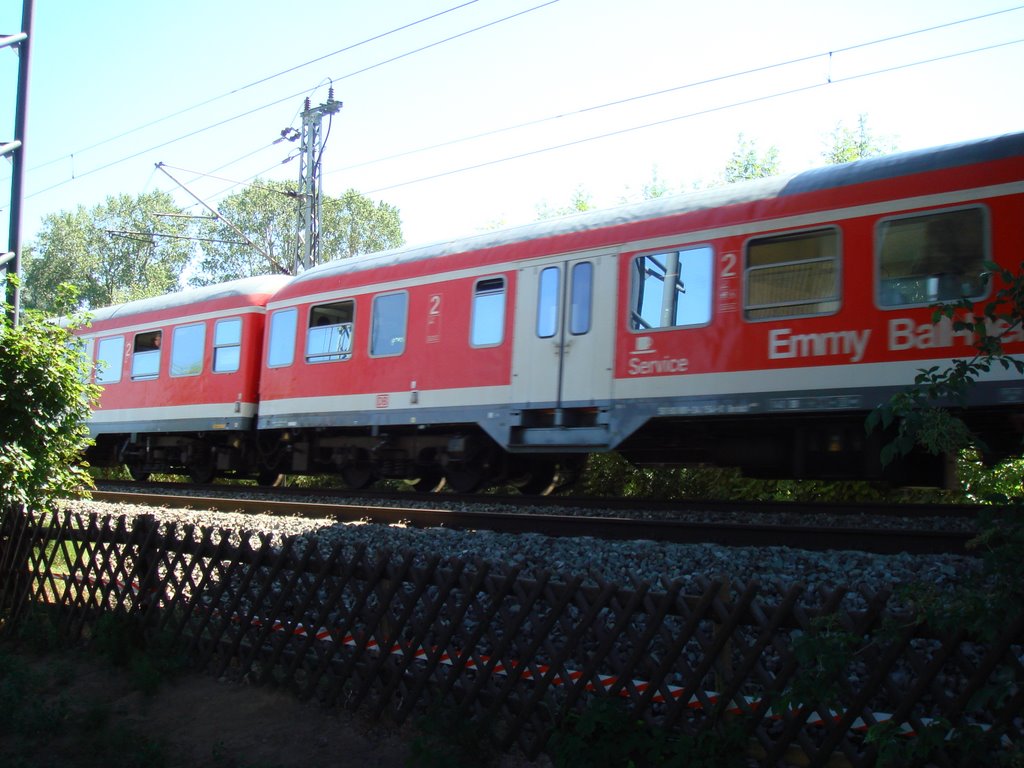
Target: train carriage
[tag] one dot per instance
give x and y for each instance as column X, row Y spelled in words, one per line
column 753, row 325
column 180, row 378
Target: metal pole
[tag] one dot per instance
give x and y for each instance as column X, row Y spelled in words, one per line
column 18, row 158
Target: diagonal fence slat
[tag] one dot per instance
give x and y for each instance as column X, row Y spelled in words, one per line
column 395, row 634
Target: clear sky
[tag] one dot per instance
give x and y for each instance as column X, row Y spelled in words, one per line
column 557, row 93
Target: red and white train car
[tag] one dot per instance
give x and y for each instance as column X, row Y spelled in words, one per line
column 753, row 325
column 180, row 377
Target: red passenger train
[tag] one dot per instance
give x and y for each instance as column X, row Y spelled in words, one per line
column 753, row 325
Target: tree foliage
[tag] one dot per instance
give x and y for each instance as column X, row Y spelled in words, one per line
column 267, row 212
column 746, row 162
column 110, row 253
column 924, row 414
column 581, row 201
column 44, row 401
column 849, row 144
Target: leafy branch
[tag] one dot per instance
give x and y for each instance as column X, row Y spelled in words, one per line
column 924, row 414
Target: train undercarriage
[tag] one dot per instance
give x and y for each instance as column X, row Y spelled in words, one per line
column 465, row 459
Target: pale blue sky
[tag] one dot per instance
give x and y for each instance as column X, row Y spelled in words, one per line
column 104, row 68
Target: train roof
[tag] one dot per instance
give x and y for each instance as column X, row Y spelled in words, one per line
column 818, row 179
column 263, row 285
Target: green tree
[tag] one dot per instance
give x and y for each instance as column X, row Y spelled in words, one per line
column 849, row 144
column 44, row 401
column 581, row 201
column 111, row 253
column 746, row 162
column 267, row 212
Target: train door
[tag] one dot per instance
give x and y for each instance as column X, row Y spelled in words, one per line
column 564, row 341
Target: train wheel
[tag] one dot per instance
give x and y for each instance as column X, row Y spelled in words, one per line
column 202, row 473
column 269, row 479
column 138, row 474
column 428, row 482
column 467, row 478
column 541, row 480
column 357, row 476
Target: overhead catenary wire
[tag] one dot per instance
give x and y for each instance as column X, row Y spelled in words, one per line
column 555, row 117
column 830, row 80
column 275, row 103
column 253, row 84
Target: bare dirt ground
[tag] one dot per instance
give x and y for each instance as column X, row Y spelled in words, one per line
column 191, row 720
column 198, row 721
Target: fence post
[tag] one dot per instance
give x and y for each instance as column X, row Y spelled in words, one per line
column 143, row 574
column 15, row 546
column 723, row 664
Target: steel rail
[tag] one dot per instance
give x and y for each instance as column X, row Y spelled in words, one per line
column 873, row 539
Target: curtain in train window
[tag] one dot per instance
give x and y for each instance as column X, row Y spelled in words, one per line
column 330, row 332
column 672, row 289
column 227, row 345
column 387, row 326
column 792, row 275
column 187, row 344
column 937, row 257
column 487, row 326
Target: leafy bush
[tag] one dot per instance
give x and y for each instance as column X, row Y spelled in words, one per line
column 44, row 402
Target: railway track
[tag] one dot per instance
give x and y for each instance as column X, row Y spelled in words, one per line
column 614, row 522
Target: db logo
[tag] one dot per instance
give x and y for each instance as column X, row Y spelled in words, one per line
column 383, row 401
column 644, row 345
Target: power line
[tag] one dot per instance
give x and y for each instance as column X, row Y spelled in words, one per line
column 620, row 102
column 540, row 120
column 746, row 102
column 262, row 80
column 290, row 97
column 665, row 91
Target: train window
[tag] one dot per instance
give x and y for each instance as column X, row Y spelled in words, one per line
column 488, row 324
column 281, row 346
column 146, row 355
column 387, row 326
column 792, row 275
column 227, row 345
column 672, row 289
column 936, row 257
column 582, row 290
column 187, row 350
column 109, row 357
column 548, row 302
column 330, row 332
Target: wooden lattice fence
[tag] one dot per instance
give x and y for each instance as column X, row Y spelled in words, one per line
column 394, row 634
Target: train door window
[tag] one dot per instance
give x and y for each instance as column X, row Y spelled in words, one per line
column 672, row 289
column 146, row 355
column 227, row 345
column 487, row 327
column 330, row 332
column 581, row 297
column 387, row 326
column 792, row 275
column 281, row 345
column 109, row 358
column 548, row 302
column 187, row 345
column 930, row 258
